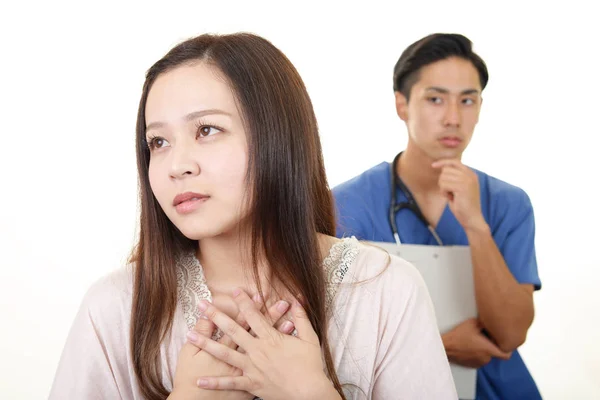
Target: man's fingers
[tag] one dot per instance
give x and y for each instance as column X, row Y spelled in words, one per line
column 494, row 350
column 453, row 176
column 451, row 166
column 503, row 355
column 453, row 163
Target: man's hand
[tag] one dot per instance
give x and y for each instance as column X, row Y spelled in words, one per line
column 460, row 185
column 466, row 345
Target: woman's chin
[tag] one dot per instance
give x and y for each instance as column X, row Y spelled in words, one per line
column 194, row 233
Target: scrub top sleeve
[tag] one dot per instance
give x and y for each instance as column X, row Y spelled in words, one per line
column 518, row 248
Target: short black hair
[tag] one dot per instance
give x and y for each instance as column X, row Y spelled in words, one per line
column 430, row 49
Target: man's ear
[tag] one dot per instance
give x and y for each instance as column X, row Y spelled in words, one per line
column 401, row 106
column 479, row 111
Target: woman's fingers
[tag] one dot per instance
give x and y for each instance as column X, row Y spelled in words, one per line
column 203, row 327
column 218, row 350
column 303, row 325
column 258, row 322
column 228, row 326
column 274, row 315
column 241, row 383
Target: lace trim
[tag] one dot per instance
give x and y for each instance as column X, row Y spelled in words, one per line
column 336, row 264
column 192, row 287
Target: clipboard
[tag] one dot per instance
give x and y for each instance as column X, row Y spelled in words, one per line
column 448, row 274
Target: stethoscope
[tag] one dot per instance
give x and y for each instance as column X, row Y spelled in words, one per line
column 411, row 204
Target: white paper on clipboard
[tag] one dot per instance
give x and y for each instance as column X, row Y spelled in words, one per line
column 448, row 274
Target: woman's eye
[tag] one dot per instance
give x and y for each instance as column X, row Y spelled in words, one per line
column 157, row 143
column 207, row 130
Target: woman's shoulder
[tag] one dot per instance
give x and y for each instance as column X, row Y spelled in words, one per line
column 373, row 261
column 361, row 269
column 353, row 261
column 111, row 293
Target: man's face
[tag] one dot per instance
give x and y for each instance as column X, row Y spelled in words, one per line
column 443, row 108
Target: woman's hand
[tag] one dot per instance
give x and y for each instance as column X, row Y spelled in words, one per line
column 273, row 365
column 193, row 362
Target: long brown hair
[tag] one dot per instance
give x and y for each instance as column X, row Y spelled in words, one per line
column 290, row 197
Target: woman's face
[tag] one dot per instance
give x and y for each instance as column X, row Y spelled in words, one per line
column 198, row 150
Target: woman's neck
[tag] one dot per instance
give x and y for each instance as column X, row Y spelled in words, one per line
column 227, row 263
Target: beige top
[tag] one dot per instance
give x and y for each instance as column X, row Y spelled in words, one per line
column 382, row 329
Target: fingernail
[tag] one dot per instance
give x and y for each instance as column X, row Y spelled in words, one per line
column 202, row 382
column 192, row 336
column 256, row 298
column 287, row 327
column 203, row 305
column 236, row 292
column 282, row 306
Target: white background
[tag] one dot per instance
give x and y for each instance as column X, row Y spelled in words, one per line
column 70, row 80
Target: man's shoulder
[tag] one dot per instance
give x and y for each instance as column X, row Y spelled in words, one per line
column 502, row 192
column 376, row 176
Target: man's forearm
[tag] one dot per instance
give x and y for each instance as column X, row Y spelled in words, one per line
column 505, row 307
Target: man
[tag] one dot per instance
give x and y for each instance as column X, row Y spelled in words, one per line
column 438, row 82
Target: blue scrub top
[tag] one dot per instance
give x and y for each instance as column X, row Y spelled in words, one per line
column 362, row 209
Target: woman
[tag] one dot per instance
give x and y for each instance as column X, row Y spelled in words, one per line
column 235, row 203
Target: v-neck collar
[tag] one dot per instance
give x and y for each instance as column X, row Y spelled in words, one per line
column 192, row 286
